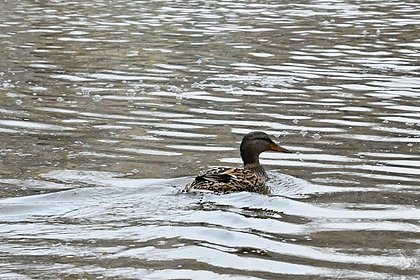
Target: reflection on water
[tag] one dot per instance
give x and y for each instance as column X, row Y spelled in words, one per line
column 106, row 106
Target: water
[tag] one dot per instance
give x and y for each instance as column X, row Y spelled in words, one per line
column 108, row 108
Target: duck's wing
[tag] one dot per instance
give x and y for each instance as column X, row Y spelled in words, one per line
column 220, row 174
column 225, row 179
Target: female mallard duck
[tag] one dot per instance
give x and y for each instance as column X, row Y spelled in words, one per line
column 251, row 178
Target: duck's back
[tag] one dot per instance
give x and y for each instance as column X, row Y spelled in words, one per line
column 225, row 179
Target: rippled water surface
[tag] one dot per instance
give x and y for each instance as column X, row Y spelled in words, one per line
column 108, row 108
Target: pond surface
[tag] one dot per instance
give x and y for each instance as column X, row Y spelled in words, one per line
column 108, row 108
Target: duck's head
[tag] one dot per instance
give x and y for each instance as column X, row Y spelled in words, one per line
column 254, row 143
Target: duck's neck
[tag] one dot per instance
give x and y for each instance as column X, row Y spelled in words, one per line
column 256, row 168
column 250, row 157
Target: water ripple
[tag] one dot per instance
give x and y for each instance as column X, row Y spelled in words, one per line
column 98, row 97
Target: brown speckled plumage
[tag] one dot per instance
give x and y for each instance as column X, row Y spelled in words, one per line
column 251, row 177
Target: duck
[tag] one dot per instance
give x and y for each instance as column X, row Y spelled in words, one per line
column 251, row 177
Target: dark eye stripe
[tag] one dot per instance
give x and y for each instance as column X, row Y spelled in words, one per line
column 264, row 139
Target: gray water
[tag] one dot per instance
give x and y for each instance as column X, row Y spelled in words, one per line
column 108, row 108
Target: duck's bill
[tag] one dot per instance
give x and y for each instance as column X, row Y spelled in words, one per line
column 277, row 148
